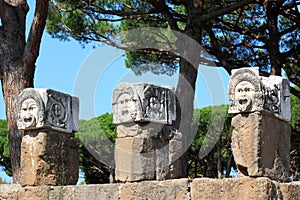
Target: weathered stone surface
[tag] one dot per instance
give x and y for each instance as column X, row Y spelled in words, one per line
column 143, row 102
column 260, row 145
column 276, row 91
column 249, row 92
column 49, row 158
column 290, row 190
column 261, row 135
column 146, row 142
column 147, row 151
column 135, row 129
column 245, row 91
column 46, row 108
column 33, row 193
column 82, row 192
column 134, row 159
column 234, row 189
column 202, row 188
column 176, row 170
column 9, row 191
column 171, row 189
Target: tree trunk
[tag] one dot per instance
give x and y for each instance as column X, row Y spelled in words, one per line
column 17, row 63
column 185, row 93
column 229, row 165
column 273, row 45
column 13, row 82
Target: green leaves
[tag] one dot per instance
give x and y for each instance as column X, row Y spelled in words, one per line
column 4, row 148
column 97, row 138
column 205, row 120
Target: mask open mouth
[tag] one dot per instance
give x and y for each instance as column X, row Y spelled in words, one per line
column 244, row 105
column 29, row 121
column 243, row 101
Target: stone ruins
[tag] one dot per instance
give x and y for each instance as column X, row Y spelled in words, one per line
column 49, row 151
column 147, row 147
column 261, row 133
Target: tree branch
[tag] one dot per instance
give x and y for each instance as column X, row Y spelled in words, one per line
column 100, row 10
column 295, row 92
column 219, row 12
column 161, row 6
column 32, row 47
column 293, row 77
column 215, row 49
column 1, row 7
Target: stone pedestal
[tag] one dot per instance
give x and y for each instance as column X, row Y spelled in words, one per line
column 134, row 158
column 49, row 151
column 49, row 158
column 147, row 152
column 147, row 148
column 261, row 133
column 261, row 145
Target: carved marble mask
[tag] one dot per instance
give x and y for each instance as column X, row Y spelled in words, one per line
column 126, row 108
column 29, row 113
column 244, row 96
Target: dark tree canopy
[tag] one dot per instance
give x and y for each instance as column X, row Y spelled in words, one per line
column 263, row 33
column 266, row 34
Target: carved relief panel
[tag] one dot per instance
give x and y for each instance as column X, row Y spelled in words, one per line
column 142, row 102
column 46, row 108
column 249, row 92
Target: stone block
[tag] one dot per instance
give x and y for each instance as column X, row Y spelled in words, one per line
column 249, row 92
column 156, row 190
column 290, row 191
column 143, row 102
column 178, row 189
column 175, row 152
column 161, row 159
column 33, row 193
column 233, row 189
column 261, row 145
column 49, row 158
column 82, row 192
column 135, row 129
column 147, row 151
column 9, row 191
column 46, row 108
column 134, row 159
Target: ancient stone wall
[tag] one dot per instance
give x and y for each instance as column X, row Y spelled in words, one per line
column 176, row 189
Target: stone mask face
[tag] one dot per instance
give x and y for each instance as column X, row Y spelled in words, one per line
column 126, row 108
column 29, row 113
column 244, row 96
